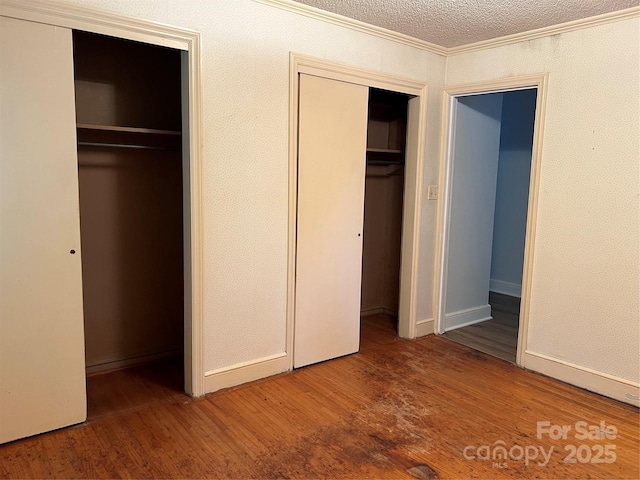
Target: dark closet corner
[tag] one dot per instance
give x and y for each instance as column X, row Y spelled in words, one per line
column 126, row 83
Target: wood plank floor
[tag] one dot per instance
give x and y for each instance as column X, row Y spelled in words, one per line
column 497, row 337
column 397, row 409
column 136, row 387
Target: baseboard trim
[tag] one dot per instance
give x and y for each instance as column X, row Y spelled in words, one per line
column 506, row 288
column 246, row 372
column 469, row 316
column 108, row 365
column 425, row 327
column 367, row 312
column 608, row 385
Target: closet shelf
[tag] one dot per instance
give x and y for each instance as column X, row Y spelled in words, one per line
column 383, row 150
column 113, row 128
column 385, row 162
column 126, row 145
column 107, row 136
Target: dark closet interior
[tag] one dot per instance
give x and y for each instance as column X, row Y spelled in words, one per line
column 128, row 111
column 384, row 194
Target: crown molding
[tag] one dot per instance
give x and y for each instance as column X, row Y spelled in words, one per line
column 340, row 20
column 588, row 22
column 65, row 14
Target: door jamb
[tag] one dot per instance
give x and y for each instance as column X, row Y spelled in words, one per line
column 413, row 181
column 107, row 23
column 450, row 94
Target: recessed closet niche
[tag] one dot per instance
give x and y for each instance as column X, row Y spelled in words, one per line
column 384, row 195
column 128, row 111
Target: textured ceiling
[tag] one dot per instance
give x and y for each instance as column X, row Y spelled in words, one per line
column 451, row 23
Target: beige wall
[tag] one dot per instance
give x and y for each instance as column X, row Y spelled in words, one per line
column 245, row 70
column 584, row 305
column 585, row 277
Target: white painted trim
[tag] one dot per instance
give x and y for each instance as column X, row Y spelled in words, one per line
column 361, row 76
column 95, row 20
column 592, row 380
column 98, row 21
column 521, row 82
column 450, row 93
column 532, row 217
column 411, row 213
column 466, row 317
column 425, row 327
column 346, row 22
column 350, row 23
column 506, row 288
column 440, row 270
column 246, row 372
column 571, row 26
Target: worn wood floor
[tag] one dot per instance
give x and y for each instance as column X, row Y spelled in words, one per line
column 497, row 337
column 397, row 409
column 133, row 388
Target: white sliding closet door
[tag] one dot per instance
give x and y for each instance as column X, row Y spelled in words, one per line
column 331, row 170
column 42, row 377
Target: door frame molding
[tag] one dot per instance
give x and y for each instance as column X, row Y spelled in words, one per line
column 107, row 23
column 450, row 94
column 299, row 63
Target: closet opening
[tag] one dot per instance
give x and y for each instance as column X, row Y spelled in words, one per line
column 130, row 167
column 383, row 211
column 491, row 156
column 348, row 137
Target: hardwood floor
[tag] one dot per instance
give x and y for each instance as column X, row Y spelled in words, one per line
column 397, row 409
column 377, row 331
column 134, row 388
column 497, row 337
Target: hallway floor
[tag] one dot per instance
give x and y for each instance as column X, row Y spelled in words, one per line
column 497, row 337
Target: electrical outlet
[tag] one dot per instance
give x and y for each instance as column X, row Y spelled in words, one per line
column 432, row 192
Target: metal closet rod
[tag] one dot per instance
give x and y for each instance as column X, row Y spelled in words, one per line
column 125, row 145
column 385, row 162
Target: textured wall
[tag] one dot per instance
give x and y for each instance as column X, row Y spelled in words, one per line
column 584, row 304
column 245, row 73
column 512, row 192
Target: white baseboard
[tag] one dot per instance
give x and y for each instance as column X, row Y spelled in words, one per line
column 109, row 364
column 506, row 288
column 246, row 372
column 464, row 318
column 425, row 327
column 369, row 311
column 598, row 382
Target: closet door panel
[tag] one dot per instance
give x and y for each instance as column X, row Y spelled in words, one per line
column 42, row 378
column 331, row 171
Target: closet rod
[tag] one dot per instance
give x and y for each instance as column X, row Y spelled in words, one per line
column 385, row 162
column 125, row 145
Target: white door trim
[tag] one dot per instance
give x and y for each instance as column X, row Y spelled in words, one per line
column 450, row 93
column 98, row 21
column 413, row 181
